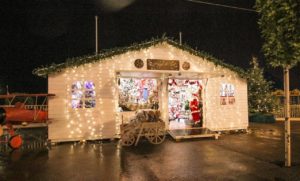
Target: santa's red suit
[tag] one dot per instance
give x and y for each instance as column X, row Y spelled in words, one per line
column 194, row 106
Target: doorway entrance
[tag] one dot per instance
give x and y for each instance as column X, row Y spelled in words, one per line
column 185, row 103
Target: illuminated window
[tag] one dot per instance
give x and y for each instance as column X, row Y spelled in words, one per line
column 83, row 94
column 227, row 92
column 137, row 94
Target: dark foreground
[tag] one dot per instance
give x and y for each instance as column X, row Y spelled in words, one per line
column 257, row 155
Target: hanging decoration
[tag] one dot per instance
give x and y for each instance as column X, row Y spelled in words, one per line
column 186, row 66
column 172, row 82
column 138, row 63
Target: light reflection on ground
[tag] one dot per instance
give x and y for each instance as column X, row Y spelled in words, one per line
column 255, row 155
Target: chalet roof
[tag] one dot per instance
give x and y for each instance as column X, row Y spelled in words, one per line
column 77, row 61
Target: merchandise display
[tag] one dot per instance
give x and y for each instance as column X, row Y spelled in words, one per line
column 137, row 94
column 185, row 102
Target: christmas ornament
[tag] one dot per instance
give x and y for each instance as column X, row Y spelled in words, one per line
column 186, row 66
column 138, row 63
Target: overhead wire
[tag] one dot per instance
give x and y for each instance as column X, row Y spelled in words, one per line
column 222, row 5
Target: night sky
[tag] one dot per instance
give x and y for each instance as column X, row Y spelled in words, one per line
column 41, row 32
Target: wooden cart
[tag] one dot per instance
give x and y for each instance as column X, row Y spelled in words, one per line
column 131, row 133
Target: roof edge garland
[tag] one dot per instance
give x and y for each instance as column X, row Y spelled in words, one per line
column 77, row 61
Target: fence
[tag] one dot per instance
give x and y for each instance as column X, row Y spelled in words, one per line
column 295, row 112
column 294, row 104
column 31, row 107
column 37, row 107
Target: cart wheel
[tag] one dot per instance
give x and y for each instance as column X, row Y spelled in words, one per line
column 15, row 141
column 156, row 135
column 128, row 139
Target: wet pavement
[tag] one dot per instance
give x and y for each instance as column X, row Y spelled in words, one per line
column 256, row 155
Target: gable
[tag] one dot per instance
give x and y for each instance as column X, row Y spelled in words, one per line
column 105, row 54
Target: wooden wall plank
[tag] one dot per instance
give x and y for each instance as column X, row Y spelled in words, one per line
column 104, row 119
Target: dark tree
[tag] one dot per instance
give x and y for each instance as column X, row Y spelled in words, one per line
column 280, row 28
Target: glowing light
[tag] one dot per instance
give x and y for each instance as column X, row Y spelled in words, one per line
column 106, row 79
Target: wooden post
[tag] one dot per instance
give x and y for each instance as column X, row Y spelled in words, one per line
column 287, row 122
column 96, row 34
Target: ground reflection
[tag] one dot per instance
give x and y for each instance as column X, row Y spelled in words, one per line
column 240, row 156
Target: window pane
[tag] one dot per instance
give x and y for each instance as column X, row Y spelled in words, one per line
column 227, row 93
column 231, row 90
column 77, row 85
column 90, row 103
column 90, row 94
column 77, row 103
column 76, row 94
column 89, row 85
column 223, row 90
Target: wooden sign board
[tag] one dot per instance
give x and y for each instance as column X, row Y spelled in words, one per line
column 157, row 64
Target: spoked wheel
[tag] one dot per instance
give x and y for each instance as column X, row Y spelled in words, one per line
column 15, row 141
column 156, row 135
column 128, row 139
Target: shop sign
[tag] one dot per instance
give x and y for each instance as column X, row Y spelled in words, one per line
column 157, row 64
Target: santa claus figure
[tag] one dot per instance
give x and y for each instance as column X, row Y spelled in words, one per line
column 195, row 110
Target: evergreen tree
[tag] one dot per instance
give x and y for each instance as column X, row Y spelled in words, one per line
column 260, row 97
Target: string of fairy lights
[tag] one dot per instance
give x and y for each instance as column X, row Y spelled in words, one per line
column 105, row 118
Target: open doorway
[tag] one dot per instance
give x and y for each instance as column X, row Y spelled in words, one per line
column 185, row 103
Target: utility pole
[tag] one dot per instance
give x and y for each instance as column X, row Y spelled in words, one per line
column 96, row 34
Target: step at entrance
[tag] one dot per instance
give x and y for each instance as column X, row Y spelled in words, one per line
column 179, row 134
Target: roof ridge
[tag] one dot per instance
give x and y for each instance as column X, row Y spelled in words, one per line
column 107, row 53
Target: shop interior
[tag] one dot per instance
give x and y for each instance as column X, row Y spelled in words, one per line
column 138, row 93
column 185, row 103
column 180, row 94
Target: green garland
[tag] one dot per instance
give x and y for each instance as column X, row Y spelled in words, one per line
column 77, row 61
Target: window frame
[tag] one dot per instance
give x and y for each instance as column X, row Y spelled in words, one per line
column 83, row 98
